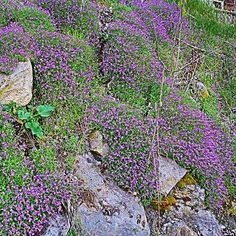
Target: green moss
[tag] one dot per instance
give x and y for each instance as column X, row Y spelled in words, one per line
column 232, row 211
column 5, row 89
column 165, row 204
column 187, row 180
column 32, row 19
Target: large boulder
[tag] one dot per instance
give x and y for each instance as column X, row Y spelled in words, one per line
column 18, row 85
column 105, row 209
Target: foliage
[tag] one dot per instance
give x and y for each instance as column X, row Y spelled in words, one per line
column 31, row 189
column 73, row 58
column 129, row 136
column 206, row 18
column 27, row 118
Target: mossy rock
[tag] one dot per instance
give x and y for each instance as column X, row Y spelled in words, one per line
column 186, row 180
column 165, row 204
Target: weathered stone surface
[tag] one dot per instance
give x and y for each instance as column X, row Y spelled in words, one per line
column 170, row 174
column 178, row 228
column 17, row 86
column 97, row 146
column 106, row 210
column 188, row 216
column 58, row 226
column 191, row 209
column 206, row 223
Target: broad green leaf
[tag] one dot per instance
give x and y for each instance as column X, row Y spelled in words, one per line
column 28, row 125
column 36, row 129
column 45, row 110
column 24, row 115
column 9, row 107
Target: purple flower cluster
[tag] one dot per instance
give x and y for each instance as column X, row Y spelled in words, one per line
column 130, row 59
column 57, row 59
column 197, row 141
column 16, row 46
column 187, row 135
column 31, row 206
column 129, row 136
column 161, row 19
column 72, row 14
column 31, row 192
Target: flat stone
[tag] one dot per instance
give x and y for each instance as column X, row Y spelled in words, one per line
column 18, row 85
column 105, row 209
column 170, row 174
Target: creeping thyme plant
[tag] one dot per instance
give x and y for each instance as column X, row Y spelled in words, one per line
column 108, row 80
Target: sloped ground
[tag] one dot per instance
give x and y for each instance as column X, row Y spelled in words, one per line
column 128, row 70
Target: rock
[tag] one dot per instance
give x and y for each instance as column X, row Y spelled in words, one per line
column 97, row 146
column 191, row 209
column 170, row 174
column 202, row 90
column 206, row 223
column 17, row 86
column 188, row 216
column 105, row 209
column 178, row 228
column 58, row 226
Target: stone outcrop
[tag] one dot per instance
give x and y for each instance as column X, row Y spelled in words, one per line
column 188, row 216
column 58, row 226
column 18, row 85
column 105, row 209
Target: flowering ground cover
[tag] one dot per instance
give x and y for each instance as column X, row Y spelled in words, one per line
column 109, row 80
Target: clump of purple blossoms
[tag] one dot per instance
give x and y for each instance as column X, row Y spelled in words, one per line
column 31, row 193
column 130, row 138
column 186, row 135
column 33, row 204
column 72, row 15
column 17, row 45
column 192, row 138
column 130, row 57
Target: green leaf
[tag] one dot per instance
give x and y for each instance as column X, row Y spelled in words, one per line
column 45, row 110
column 28, row 125
column 24, row 115
column 9, row 107
column 36, row 129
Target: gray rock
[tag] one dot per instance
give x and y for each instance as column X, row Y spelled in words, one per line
column 105, row 209
column 178, row 228
column 58, row 226
column 170, row 174
column 97, row 146
column 191, row 209
column 17, row 86
column 206, row 223
column 188, row 216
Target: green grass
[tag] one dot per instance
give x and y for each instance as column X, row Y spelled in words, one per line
column 206, row 18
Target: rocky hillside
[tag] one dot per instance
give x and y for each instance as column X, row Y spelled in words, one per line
column 117, row 118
